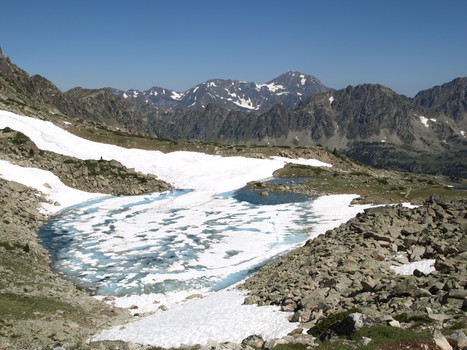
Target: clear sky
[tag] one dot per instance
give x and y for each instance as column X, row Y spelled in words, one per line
column 407, row 45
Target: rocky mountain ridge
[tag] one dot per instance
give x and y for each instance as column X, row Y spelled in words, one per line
column 289, row 89
column 368, row 122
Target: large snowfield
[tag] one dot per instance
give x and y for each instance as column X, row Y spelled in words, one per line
column 210, row 240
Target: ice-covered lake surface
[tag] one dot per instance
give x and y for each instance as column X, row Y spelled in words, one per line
column 163, row 247
column 159, row 243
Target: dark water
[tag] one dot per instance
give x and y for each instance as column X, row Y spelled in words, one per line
column 246, row 194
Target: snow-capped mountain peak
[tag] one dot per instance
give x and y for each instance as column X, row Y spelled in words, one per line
column 288, row 89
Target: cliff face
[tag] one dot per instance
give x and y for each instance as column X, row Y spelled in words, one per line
column 450, row 100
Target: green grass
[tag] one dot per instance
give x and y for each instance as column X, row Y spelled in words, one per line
column 454, row 327
column 291, row 346
column 387, row 334
column 20, row 138
column 378, row 335
column 16, row 307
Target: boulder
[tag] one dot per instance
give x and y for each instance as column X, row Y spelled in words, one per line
column 459, row 338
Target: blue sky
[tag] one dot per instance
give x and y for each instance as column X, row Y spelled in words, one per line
column 407, row 45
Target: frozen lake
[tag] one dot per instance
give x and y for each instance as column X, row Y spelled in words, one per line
column 165, row 242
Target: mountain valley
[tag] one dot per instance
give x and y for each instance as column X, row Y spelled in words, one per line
column 402, row 150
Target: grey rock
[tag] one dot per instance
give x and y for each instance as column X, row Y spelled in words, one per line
column 441, row 341
column 459, row 338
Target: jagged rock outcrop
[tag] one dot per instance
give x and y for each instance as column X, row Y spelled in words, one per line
column 450, row 99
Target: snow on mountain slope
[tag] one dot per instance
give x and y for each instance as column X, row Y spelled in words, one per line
column 187, row 170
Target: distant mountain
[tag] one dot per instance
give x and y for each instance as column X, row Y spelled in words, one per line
column 289, row 90
column 368, row 122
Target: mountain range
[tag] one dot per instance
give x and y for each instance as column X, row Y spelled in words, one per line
column 289, row 90
column 368, row 122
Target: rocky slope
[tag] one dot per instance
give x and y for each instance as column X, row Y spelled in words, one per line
column 350, row 267
column 39, row 309
column 35, row 95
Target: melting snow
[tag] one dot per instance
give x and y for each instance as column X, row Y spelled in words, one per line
column 217, row 315
column 425, row 266
column 47, row 183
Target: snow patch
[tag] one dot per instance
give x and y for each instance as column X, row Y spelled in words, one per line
column 303, row 79
column 424, row 121
column 222, row 317
column 47, row 183
column 272, row 87
column 463, row 133
column 245, row 103
column 331, row 100
column 188, row 170
column 176, row 96
column 425, row 266
column 125, row 95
